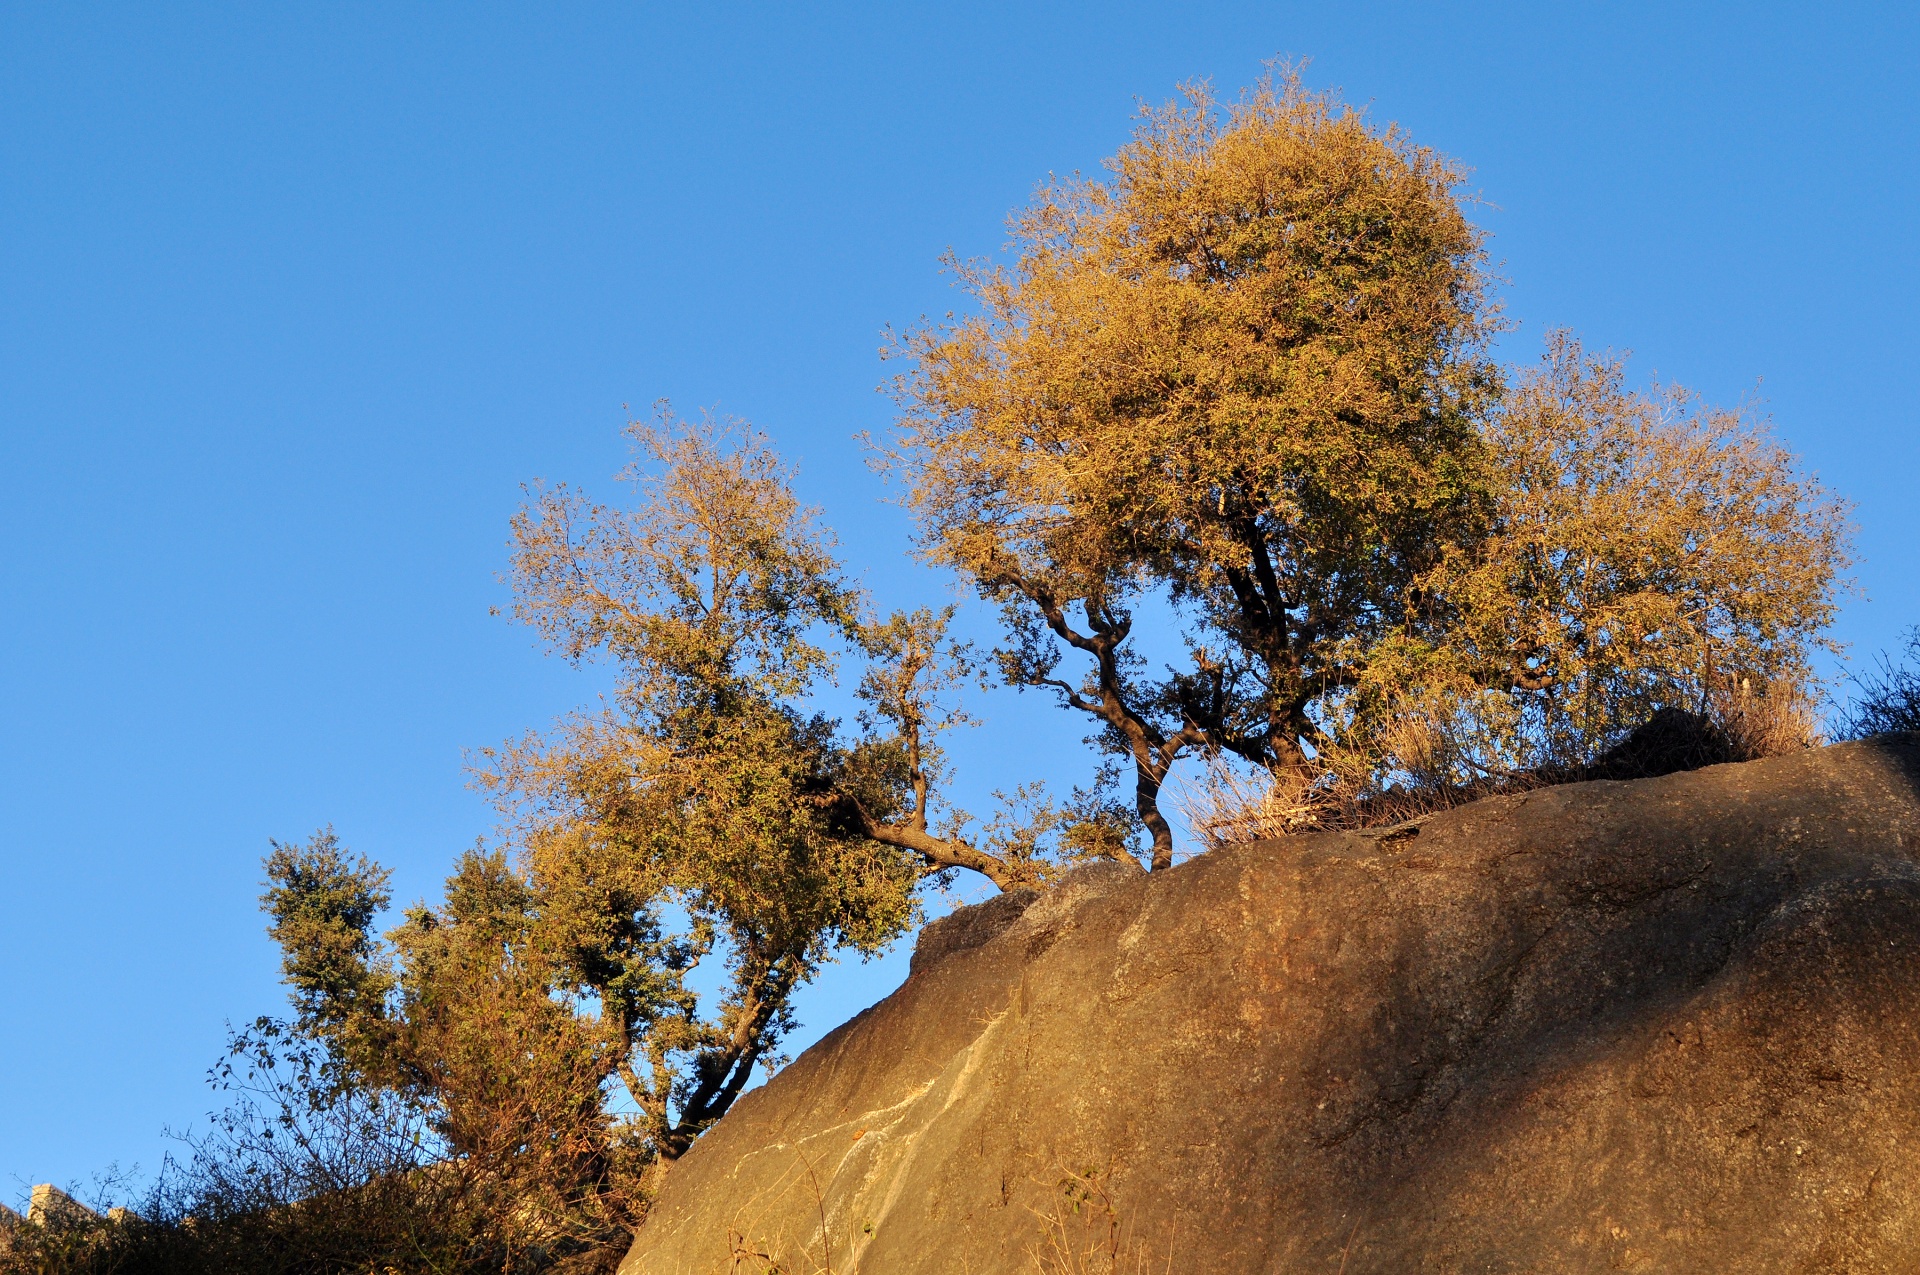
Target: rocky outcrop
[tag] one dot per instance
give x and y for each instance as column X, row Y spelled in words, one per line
column 50, row 1206
column 1666, row 1025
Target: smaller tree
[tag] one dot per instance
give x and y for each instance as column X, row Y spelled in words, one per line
column 1646, row 553
column 476, row 1041
column 543, row 1014
column 704, row 786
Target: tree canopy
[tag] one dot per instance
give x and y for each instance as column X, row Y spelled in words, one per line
column 1247, row 369
column 1247, row 375
column 703, row 781
column 1644, row 552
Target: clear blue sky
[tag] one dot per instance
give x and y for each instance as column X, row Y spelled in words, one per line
column 291, row 305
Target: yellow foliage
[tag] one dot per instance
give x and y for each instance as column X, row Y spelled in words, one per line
column 1246, row 374
column 1247, row 369
column 1645, row 552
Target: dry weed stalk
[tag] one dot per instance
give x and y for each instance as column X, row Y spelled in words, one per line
column 748, row 1257
column 1765, row 721
column 1436, row 770
column 1083, row 1232
column 1224, row 806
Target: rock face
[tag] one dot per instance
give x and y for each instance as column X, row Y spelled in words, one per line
column 1661, row 1026
column 50, row 1206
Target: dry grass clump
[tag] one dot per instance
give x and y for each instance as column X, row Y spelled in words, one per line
column 1226, row 805
column 1437, row 766
column 1083, row 1231
column 1767, row 721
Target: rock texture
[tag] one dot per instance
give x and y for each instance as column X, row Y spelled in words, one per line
column 1660, row 1026
column 50, row 1206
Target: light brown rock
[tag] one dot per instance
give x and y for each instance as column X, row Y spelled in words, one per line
column 50, row 1206
column 1658, row 1026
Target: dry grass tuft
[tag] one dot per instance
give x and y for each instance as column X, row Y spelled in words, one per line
column 1225, row 805
column 1083, row 1231
column 1767, row 721
column 1229, row 804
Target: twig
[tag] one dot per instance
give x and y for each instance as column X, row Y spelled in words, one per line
column 1347, row 1252
column 819, row 1203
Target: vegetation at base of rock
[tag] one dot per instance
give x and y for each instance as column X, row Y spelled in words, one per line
column 302, row 1174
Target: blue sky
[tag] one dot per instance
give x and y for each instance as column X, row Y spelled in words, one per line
column 292, row 301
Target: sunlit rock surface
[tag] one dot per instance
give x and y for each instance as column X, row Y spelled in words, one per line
column 1666, row 1025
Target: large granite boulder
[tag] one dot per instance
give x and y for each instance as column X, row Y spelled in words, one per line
column 1661, row 1026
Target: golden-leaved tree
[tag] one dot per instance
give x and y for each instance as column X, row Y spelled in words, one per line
column 1247, row 375
column 1248, row 368
column 542, row 1019
column 1645, row 552
column 703, row 784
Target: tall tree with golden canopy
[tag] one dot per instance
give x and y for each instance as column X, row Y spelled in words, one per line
column 1247, row 367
